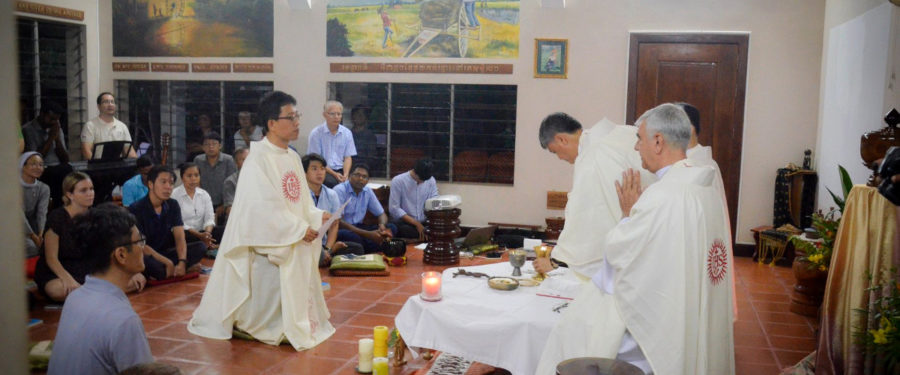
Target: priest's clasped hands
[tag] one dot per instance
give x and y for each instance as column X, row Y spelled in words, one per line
column 629, row 190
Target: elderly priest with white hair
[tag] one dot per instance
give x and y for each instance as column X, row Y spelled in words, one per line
column 661, row 299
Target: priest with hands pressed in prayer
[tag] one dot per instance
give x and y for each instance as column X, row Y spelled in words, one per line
column 660, row 299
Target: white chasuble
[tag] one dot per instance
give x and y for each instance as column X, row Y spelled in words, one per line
column 266, row 278
column 604, row 152
column 671, row 291
column 701, row 156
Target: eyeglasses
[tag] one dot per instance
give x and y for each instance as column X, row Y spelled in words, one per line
column 334, row 114
column 360, row 176
column 293, row 117
column 141, row 242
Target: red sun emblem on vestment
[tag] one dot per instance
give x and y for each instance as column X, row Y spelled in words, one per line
column 717, row 262
column 290, row 186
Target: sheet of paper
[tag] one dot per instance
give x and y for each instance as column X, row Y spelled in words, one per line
column 422, row 246
column 334, row 216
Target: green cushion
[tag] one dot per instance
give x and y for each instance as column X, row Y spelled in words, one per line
column 368, row 262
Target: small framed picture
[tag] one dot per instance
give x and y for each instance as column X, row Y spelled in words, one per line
column 551, row 58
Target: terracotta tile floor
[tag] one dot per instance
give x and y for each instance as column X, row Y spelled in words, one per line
column 767, row 336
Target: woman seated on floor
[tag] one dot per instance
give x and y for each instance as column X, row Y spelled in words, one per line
column 197, row 211
column 35, row 199
column 61, row 268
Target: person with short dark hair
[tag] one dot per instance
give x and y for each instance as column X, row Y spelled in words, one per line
column 44, row 135
column 159, row 219
column 362, row 200
column 99, row 332
column 215, row 166
column 363, row 137
column 334, row 142
column 247, row 133
column 409, row 191
column 328, row 201
column 600, row 155
column 104, row 128
column 266, row 280
column 194, row 136
column 136, row 187
column 196, row 207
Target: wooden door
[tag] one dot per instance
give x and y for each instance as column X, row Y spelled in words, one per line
column 708, row 71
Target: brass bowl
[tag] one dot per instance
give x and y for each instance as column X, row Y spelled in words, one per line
column 503, row 283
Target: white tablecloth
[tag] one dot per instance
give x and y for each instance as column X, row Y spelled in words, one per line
column 506, row 329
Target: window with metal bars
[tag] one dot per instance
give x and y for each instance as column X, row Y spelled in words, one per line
column 469, row 131
column 51, row 61
column 175, row 108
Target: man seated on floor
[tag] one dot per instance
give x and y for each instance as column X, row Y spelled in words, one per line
column 326, row 200
column 409, row 191
column 334, row 142
column 661, row 299
column 99, row 332
column 136, row 187
column 44, row 135
column 362, row 200
column 167, row 253
column 266, row 279
column 215, row 166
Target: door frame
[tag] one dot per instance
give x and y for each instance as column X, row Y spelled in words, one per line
column 742, row 41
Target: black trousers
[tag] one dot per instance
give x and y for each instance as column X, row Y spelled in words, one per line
column 352, row 248
column 330, row 180
column 405, row 230
column 154, row 269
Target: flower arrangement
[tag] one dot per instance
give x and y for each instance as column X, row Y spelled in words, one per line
column 818, row 253
column 882, row 338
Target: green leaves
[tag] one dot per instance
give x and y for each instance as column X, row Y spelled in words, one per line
column 846, row 185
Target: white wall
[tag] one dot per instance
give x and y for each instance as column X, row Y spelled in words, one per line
column 13, row 345
column 781, row 102
column 858, row 85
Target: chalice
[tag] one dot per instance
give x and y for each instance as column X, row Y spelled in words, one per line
column 541, row 251
column 517, row 260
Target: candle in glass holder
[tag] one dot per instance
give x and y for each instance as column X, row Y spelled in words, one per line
column 431, row 286
column 380, row 347
column 380, row 366
column 365, row 355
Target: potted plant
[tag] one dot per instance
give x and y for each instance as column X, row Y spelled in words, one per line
column 814, row 255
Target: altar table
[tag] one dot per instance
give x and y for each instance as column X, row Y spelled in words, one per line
column 506, row 329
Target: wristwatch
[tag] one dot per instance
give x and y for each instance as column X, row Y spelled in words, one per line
column 182, row 261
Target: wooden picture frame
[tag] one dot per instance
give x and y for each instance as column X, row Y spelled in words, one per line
column 551, row 58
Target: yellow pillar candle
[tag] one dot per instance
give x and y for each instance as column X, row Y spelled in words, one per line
column 365, row 355
column 381, row 341
column 380, row 366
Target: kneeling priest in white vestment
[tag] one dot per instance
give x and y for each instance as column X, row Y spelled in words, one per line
column 266, row 278
column 600, row 154
column 661, row 299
